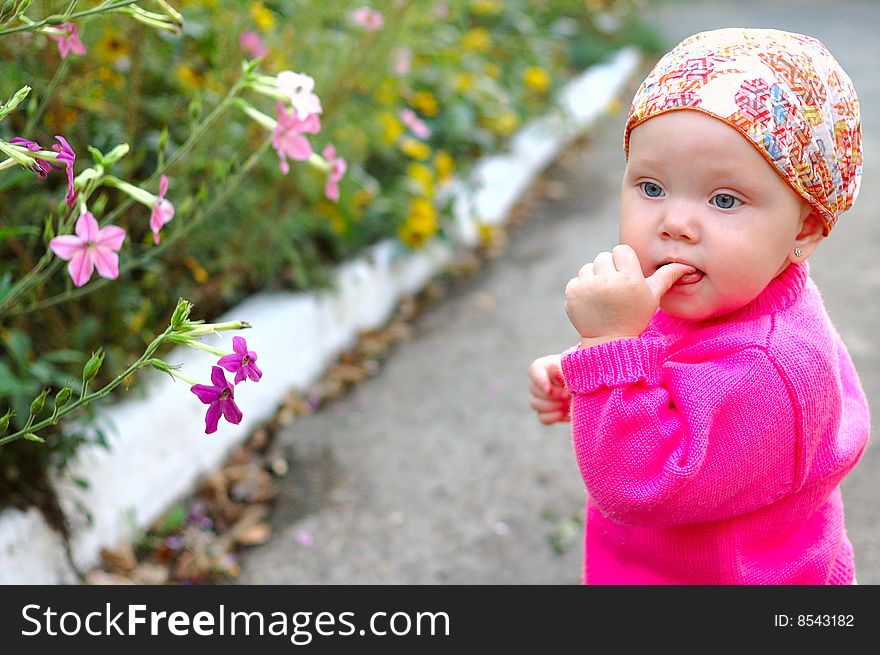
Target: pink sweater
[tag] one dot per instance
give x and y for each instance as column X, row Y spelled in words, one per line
column 713, row 451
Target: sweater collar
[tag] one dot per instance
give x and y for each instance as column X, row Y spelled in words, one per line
column 779, row 294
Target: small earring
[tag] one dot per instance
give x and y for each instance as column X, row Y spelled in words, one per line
column 798, row 253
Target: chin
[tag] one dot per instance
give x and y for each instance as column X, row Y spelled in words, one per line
column 687, row 310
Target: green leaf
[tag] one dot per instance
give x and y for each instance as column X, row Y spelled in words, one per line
column 173, row 520
column 18, row 345
column 16, row 230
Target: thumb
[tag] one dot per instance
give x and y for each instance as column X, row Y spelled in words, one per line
column 665, row 277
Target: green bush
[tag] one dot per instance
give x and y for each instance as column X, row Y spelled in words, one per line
column 470, row 71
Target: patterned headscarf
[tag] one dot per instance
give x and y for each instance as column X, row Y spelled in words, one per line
column 784, row 92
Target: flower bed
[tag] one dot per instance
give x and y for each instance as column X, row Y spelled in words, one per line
column 409, row 101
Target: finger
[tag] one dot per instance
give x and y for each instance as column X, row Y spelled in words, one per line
column 626, row 260
column 542, row 406
column 538, row 391
column 603, row 264
column 665, row 277
column 539, row 380
column 549, row 418
column 554, row 372
column 585, row 270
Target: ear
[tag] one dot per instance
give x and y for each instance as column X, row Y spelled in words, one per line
column 811, row 233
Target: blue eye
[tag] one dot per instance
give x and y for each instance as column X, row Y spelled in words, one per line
column 725, row 201
column 651, row 189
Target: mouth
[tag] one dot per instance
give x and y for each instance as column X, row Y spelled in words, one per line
column 687, row 279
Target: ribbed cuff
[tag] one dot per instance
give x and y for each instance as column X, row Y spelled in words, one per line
column 615, row 363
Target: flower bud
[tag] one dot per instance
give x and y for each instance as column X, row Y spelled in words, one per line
column 14, row 101
column 38, row 402
column 62, row 397
column 181, row 313
column 4, row 421
column 30, row 436
column 92, row 366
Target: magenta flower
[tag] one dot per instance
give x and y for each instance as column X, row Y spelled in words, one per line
column 242, row 362
column 369, row 19
column 91, row 248
column 409, row 118
column 66, row 156
column 68, row 42
column 252, row 44
column 288, row 139
column 42, row 166
column 163, row 211
column 220, row 399
column 337, row 170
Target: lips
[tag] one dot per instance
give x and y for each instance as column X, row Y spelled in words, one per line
column 688, row 278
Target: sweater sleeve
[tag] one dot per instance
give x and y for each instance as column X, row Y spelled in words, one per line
column 661, row 442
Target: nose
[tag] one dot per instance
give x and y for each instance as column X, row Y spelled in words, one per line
column 680, row 223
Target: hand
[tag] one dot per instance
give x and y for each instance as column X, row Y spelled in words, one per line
column 549, row 395
column 611, row 298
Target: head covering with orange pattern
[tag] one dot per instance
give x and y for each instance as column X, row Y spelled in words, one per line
column 783, row 91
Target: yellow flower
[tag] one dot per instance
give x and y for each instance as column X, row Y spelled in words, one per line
column 423, row 177
column 415, row 149
column 536, row 79
column 362, row 198
column 485, row 7
column 387, row 92
column 421, row 223
column 614, row 106
column 112, row 47
column 110, row 77
column 262, row 17
column 487, row 234
column 333, row 214
column 493, row 71
column 188, row 76
column 506, row 123
column 392, row 127
column 425, row 102
column 445, row 165
column 463, row 82
column 199, row 274
column 477, row 40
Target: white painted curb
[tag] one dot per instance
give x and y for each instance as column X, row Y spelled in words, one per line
column 158, row 446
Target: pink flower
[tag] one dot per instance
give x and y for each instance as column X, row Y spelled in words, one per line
column 68, row 42
column 402, row 61
column 242, row 362
column 288, row 139
column 370, row 19
column 91, row 247
column 220, row 398
column 66, row 156
column 42, row 167
column 337, row 170
column 163, row 211
column 409, row 118
column 252, row 44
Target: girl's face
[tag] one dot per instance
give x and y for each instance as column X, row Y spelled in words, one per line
column 696, row 191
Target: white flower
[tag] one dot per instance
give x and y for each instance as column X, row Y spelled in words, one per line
column 298, row 87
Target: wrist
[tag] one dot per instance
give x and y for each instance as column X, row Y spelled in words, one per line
column 589, row 342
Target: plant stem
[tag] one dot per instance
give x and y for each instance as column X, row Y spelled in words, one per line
column 85, row 399
column 153, row 252
column 37, row 274
column 32, row 26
